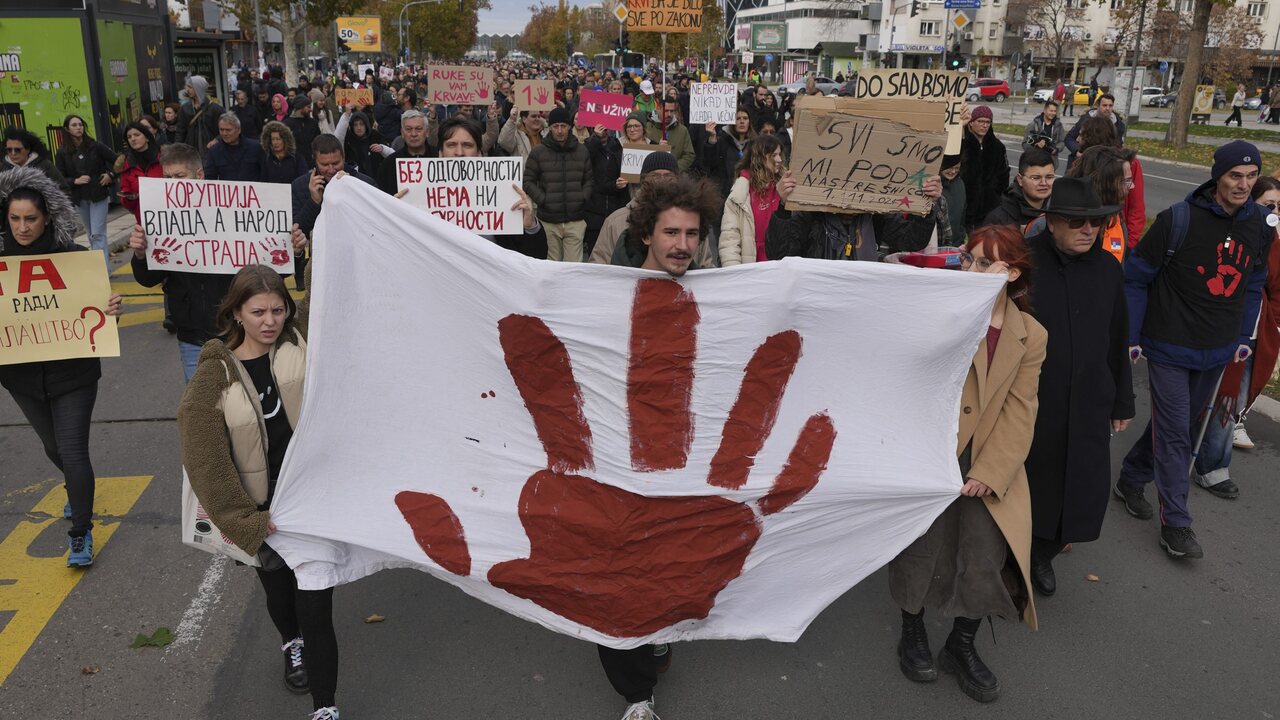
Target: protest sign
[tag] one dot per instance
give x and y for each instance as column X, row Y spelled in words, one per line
column 363, row 70
column 853, row 156
column 713, row 102
column 386, row 73
column 674, row 463
column 536, row 95
column 51, row 308
column 460, row 85
column 597, row 107
column 633, row 155
column 350, row 96
column 942, row 86
column 216, row 226
column 667, row 16
column 475, row 194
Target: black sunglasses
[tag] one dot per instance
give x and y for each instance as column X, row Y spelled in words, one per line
column 1076, row 223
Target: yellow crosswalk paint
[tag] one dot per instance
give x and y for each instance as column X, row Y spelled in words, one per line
column 33, row 588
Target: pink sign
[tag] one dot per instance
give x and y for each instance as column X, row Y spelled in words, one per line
column 596, row 107
column 460, row 85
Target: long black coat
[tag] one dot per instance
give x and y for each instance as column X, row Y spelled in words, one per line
column 984, row 167
column 1085, row 382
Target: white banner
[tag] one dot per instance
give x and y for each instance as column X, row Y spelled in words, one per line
column 216, row 226
column 612, row 453
column 475, row 194
column 713, row 102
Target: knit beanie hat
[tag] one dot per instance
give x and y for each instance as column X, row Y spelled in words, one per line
column 659, row 160
column 982, row 111
column 559, row 115
column 1236, row 152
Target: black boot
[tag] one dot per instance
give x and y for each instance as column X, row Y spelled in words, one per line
column 295, row 672
column 914, row 656
column 958, row 656
column 1043, row 578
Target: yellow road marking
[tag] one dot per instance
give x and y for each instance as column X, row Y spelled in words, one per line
column 33, row 588
column 128, row 287
column 141, row 317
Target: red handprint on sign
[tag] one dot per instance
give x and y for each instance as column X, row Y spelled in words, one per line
column 482, row 93
column 543, row 95
column 278, row 249
column 1226, row 279
column 625, row 564
column 163, row 249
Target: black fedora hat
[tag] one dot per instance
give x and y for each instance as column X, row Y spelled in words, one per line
column 1075, row 197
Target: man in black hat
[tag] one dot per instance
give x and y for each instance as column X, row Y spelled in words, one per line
column 1086, row 384
column 1194, row 286
column 558, row 178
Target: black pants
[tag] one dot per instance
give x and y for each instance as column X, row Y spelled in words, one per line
column 307, row 614
column 633, row 673
column 62, row 422
column 1235, row 115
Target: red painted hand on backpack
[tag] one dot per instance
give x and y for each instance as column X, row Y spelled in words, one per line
column 622, row 563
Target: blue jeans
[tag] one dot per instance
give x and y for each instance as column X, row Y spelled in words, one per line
column 190, row 354
column 1215, row 449
column 62, row 423
column 94, row 216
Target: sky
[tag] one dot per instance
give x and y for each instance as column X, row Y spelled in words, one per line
column 510, row 16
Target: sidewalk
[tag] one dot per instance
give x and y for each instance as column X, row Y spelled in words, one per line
column 119, row 224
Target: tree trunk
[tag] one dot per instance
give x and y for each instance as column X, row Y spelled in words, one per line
column 290, row 30
column 1177, row 132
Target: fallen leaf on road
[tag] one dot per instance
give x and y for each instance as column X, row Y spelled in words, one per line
column 90, row 670
column 1092, row 578
column 161, row 637
column 1067, row 548
column 374, row 618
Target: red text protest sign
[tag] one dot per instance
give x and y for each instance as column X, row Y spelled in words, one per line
column 536, row 95
column 460, row 85
column 475, row 194
column 596, row 107
column 216, row 226
column 51, row 308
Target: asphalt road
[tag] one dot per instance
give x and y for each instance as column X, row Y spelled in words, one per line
column 1151, row 638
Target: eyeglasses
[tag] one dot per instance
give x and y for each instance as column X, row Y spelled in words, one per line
column 967, row 260
column 1037, row 179
column 1271, row 206
column 1077, row 223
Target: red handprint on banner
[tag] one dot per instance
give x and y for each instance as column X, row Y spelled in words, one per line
column 542, row 96
column 278, row 250
column 1226, row 278
column 625, row 564
column 164, row 249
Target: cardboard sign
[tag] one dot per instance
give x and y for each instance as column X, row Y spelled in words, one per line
column 52, row 308
column 460, row 85
column 596, row 107
column 536, row 95
column 942, row 86
column 668, row 16
column 386, row 73
column 475, row 194
column 216, row 226
column 350, row 96
column 852, row 156
column 713, row 102
column 633, row 155
column 363, row 70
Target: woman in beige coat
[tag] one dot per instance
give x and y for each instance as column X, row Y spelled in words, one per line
column 751, row 202
column 973, row 562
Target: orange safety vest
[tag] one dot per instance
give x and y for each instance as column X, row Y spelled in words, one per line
column 1113, row 238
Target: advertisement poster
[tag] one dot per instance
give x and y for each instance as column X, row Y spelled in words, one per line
column 119, row 78
column 149, row 49
column 361, row 33
column 202, row 62
column 769, row 37
column 51, row 308
column 40, row 81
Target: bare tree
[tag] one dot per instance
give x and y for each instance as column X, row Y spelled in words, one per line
column 1053, row 27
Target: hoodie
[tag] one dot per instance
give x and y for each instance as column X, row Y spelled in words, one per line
column 198, row 117
column 1192, row 310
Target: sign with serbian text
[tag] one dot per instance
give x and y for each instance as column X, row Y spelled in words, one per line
column 712, row 102
column 947, row 87
column 216, row 226
column 460, row 85
column 535, row 95
column 475, row 194
column 667, row 16
column 596, row 107
column 852, row 156
column 352, row 96
column 633, row 155
column 52, row 307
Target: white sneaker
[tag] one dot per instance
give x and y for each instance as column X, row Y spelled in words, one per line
column 327, row 713
column 640, row 711
column 1241, row 438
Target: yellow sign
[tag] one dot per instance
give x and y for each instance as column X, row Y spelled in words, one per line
column 1203, row 101
column 361, row 33
column 51, row 308
column 620, row 12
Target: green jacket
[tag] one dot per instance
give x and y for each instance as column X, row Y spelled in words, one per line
column 679, row 140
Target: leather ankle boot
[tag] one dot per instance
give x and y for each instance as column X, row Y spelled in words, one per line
column 958, row 656
column 914, row 656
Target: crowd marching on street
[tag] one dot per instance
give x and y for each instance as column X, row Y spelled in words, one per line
column 1091, row 294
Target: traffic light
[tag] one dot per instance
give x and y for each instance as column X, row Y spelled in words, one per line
column 343, row 47
column 915, row 8
column 953, row 63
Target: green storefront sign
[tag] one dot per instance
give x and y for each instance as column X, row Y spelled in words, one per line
column 769, row 37
column 119, row 76
column 43, row 76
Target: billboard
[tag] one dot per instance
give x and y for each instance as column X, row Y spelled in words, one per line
column 768, row 37
column 361, row 33
column 43, row 75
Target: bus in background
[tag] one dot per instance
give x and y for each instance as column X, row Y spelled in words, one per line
column 632, row 62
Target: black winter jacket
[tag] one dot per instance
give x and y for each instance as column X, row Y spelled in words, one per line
column 720, row 159
column 558, row 178
column 193, row 299
column 284, row 170
column 984, row 166
column 305, row 130
column 1012, row 210
column 242, row 161
column 197, row 128
column 250, row 119
column 93, row 159
column 606, row 168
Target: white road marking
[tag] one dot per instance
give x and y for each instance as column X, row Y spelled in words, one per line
column 207, row 596
column 1146, row 175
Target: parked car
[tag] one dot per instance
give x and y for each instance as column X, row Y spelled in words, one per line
column 1146, row 93
column 989, row 89
column 1161, row 101
column 826, row 85
column 1253, row 103
column 1043, row 95
column 1219, row 99
column 1082, row 95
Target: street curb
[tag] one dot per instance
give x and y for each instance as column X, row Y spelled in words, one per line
column 1017, row 147
column 1267, row 406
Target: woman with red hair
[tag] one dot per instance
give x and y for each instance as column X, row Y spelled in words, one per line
column 974, row 560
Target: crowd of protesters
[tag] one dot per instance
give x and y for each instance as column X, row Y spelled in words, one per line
column 1090, row 292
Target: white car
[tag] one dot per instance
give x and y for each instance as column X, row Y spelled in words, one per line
column 1043, row 95
column 1147, row 94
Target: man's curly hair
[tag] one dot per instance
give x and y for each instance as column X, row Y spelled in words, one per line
column 660, row 194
